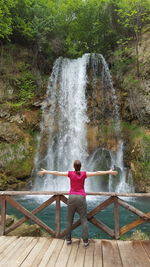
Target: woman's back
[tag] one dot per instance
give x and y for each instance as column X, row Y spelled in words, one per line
column 77, row 182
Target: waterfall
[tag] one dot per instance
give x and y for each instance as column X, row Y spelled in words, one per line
column 64, row 114
column 64, row 121
column 124, row 182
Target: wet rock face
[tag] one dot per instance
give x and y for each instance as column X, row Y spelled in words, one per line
column 9, row 132
column 19, row 116
column 6, row 92
column 100, row 105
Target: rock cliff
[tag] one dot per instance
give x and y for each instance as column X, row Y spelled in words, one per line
column 22, row 89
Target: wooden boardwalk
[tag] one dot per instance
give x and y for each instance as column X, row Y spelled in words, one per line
column 44, row 251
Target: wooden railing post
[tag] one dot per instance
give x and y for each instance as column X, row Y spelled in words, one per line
column 3, row 215
column 116, row 218
column 58, row 215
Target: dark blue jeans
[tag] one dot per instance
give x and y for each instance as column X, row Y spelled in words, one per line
column 77, row 203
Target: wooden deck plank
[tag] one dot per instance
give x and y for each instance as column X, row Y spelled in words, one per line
column 27, row 251
column 89, row 255
column 40, row 255
column 111, row 256
column 9, row 259
column 3, row 239
column 133, row 254
column 45, row 251
column 79, row 261
column 146, row 246
column 98, row 253
column 73, row 254
column 55, row 254
column 12, row 260
column 34, row 253
column 64, row 255
column 7, row 247
column 49, row 252
column 5, row 243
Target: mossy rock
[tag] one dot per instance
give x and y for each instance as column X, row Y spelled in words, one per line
column 11, row 183
column 137, row 235
column 27, row 230
column 9, row 220
column 3, row 182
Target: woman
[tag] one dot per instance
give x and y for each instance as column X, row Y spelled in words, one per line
column 77, row 196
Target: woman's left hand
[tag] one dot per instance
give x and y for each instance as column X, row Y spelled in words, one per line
column 113, row 172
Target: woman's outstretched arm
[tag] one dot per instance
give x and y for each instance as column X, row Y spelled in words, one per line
column 43, row 171
column 89, row 174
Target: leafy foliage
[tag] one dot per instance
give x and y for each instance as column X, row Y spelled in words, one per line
column 71, row 28
column 26, row 84
column 6, row 18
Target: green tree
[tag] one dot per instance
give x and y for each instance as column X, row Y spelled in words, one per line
column 6, row 18
column 134, row 15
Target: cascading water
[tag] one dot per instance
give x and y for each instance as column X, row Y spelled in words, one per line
column 124, row 183
column 65, row 113
column 64, row 121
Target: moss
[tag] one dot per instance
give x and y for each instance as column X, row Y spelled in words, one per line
column 9, row 220
column 137, row 154
column 3, row 181
column 26, row 230
column 137, row 235
column 11, row 183
column 17, row 164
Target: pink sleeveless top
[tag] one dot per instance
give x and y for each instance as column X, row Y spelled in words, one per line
column 77, row 183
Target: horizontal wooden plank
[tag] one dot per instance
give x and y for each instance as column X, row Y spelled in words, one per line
column 38, row 193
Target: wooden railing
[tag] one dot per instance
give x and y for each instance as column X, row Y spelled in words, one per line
column 112, row 198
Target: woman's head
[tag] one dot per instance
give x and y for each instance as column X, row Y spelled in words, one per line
column 77, row 166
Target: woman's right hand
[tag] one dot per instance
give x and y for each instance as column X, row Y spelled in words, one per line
column 42, row 172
